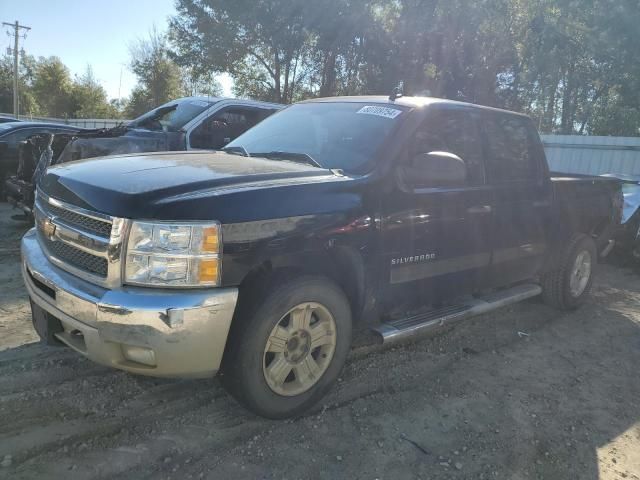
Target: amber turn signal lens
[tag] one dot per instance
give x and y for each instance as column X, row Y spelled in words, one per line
column 209, row 270
column 210, row 240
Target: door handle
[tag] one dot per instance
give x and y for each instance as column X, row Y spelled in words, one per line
column 480, row 209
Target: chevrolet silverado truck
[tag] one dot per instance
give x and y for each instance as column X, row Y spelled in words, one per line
column 258, row 262
column 190, row 123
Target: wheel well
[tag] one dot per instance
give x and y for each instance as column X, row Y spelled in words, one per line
column 341, row 265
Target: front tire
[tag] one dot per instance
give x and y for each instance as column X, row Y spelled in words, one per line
column 287, row 346
column 568, row 286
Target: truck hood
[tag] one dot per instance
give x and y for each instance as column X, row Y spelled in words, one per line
column 179, row 185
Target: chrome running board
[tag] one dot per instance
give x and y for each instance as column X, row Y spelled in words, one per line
column 401, row 329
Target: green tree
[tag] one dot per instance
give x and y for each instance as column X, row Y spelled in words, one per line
column 88, row 98
column 28, row 104
column 261, row 44
column 159, row 78
column 573, row 65
column 52, row 87
column 195, row 83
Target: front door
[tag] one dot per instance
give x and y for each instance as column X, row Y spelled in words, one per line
column 436, row 240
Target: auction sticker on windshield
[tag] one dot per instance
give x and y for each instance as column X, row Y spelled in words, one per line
column 380, row 111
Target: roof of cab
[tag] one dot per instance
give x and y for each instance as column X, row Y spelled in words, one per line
column 213, row 100
column 411, row 102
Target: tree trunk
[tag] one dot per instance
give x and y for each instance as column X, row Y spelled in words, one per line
column 287, row 69
column 566, row 122
column 328, row 85
column 276, row 79
column 550, row 113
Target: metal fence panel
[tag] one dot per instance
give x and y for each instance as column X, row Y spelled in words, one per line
column 78, row 122
column 592, row 155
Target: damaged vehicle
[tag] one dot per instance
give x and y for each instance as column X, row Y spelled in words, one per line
column 191, row 123
column 12, row 136
column 627, row 236
column 398, row 215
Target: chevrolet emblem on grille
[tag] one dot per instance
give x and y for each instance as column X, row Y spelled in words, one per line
column 48, row 227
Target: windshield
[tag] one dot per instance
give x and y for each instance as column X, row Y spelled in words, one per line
column 172, row 116
column 344, row 136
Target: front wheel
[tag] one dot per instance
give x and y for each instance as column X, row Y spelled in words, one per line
column 288, row 347
column 567, row 286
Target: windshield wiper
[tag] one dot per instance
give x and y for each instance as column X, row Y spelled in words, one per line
column 235, row 150
column 291, row 156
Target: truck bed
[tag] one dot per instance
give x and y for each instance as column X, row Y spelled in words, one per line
column 587, row 203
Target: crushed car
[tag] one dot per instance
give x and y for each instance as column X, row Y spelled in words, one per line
column 190, row 123
column 13, row 134
column 627, row 235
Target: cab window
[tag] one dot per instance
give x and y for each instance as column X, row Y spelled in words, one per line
column 511, row 155
column 453, row 131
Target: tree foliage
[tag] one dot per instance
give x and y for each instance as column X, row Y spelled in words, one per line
column 159, row 78
column 573, row 65
column 47, row 89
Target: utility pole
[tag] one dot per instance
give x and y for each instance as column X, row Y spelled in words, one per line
column 16, row 53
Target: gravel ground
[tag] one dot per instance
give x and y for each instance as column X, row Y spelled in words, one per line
column 527, row 392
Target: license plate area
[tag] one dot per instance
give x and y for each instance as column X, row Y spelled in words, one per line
column 46, row 325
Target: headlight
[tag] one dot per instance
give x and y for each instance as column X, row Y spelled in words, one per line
column 173, row 255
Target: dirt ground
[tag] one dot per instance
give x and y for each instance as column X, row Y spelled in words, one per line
column 525, row 393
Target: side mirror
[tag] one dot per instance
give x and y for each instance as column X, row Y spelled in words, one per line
column 435, row 169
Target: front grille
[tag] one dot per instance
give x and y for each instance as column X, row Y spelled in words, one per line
column 78, row 240
column 76, row 257
column 88, row 224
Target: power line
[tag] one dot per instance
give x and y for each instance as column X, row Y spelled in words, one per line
column 16, row 52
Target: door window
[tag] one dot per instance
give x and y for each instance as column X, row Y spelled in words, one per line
column 219, row 129
column 511, row 156
column 452, row 131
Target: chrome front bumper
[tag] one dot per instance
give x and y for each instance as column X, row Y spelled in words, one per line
column 164, row 333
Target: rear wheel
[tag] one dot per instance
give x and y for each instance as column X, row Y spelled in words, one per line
column 567, row 286
column 287, row 348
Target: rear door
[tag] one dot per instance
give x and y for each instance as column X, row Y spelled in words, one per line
column 516, row 169
column 437, row 239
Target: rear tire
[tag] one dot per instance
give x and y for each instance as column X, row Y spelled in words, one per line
column 287, row 346
column 568, row 286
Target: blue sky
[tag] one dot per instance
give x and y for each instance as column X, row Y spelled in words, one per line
column 95, row 32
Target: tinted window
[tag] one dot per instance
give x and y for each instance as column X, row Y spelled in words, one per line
column 452, row 131
column 511, row 156
column 218, row 130
column 345, row 135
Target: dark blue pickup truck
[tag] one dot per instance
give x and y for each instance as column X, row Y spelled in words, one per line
column 392, row 214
